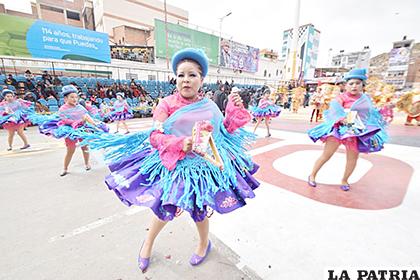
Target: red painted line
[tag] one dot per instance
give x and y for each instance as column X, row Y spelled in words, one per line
column 383, row 186
column 265, row 141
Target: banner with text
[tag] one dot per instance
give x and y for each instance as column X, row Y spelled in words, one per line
column 36, row 38
column 180, row 37
column 399, row 58
column 238, row 56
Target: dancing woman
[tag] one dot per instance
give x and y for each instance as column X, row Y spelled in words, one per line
column 14, row 115
column 266, row 109
column 121, row 112
column 73, row 123
column 166, row 175
column 351, row 120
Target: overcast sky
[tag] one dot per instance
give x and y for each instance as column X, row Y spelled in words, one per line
column 344, row 25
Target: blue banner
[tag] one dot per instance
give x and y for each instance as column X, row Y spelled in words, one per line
column 25, row 37
column 45, row 39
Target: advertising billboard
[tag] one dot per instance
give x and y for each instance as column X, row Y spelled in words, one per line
column 134, row 53
column 238, row 56
column 41, row 39
column 399, row 58
column 180, row 37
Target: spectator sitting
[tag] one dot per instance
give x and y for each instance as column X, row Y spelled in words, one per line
column 30, row 82
column 40, row 91
column 29, row 96
column 57, row 82
column 51, row 96
column 47, row 79
column 82, row 98
column 10, row 81
column 133, row 83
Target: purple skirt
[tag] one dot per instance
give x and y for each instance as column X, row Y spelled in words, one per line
column 120, row 116
column 133, row 188
column 269, row 111
column 363, row 142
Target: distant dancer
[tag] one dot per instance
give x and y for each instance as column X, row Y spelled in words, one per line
column 14, row 117
column 266, row 109
column 351, row 120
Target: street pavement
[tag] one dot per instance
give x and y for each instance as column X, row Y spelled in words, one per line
column 73, row 227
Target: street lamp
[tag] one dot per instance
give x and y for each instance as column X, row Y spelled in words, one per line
column 220, row 37
column 166, row 34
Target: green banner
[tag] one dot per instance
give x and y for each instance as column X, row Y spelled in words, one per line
column 37, row 38
column 180, row 37
column 13, row 35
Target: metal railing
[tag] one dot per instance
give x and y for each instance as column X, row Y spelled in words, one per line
column 118, row 69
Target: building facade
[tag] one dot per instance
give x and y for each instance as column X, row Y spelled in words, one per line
column 378, row 65
column 131, row 22
column 78, row 13
column 413, row 73
column 270, row 66
column 399, row 61
column 307, row 52
column 352, row 60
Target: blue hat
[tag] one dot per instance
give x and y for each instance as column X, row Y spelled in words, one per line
column 194, row 54
column 7, row 91
column 357, row 73
column 66, row 90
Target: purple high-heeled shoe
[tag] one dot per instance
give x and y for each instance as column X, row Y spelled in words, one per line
column 143, row 263
column 311, row 183
column 196, row 259
column 345, row 187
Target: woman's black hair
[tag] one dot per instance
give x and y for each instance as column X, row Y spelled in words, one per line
column 190, row 60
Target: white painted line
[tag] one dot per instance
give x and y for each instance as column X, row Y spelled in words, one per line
column 131, row 211
column 299, row 164
column 291, row 138
column 135, row 209
column 265, row 148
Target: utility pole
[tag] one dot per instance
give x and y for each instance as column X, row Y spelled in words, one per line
column 295, row 38
column 166, row 35
column 220, row 39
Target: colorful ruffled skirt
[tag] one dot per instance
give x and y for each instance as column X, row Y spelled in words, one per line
column 120, row 116
column 370, row 139
column 269, row 111
column 135, row 185
column 194, row 185
column 53, row 128
column 14, row 121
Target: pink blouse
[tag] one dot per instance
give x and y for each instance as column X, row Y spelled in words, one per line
column 170, row 146
column 69, row 121
column 264, row 103
column 347, row 99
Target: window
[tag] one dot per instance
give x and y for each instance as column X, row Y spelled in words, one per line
column 73, row 15
column 49, row 8
column 265, row 73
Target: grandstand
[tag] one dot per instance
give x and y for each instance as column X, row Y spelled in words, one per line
column 90, row 86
